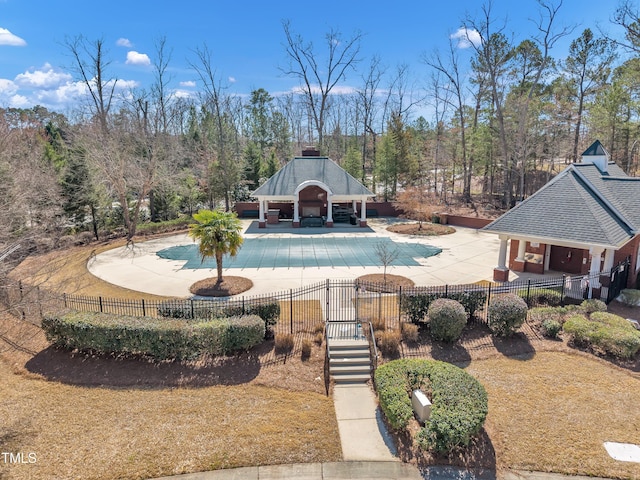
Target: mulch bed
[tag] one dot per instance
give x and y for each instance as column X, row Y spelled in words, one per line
column 230, row 285
column 426, row 229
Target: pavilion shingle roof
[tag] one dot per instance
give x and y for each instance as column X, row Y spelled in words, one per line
column 582, row 205
column 322, row 169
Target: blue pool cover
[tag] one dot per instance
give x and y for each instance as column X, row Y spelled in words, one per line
column 306, row 252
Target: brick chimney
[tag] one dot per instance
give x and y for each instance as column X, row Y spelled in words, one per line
column 310, row 151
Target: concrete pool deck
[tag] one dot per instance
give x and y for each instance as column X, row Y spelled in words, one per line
column 467, row 256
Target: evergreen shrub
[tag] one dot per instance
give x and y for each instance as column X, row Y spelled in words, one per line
column 447, row 319
column 459, row 401
column 507, row 313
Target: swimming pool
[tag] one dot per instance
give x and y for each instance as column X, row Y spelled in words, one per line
column 304, row 252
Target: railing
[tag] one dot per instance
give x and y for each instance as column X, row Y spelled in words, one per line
column 374, row 362
column 302, row 310
column 327, row 359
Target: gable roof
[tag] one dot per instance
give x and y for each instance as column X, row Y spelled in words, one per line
column 582, row 205
column 596, row 148
column 303, row 169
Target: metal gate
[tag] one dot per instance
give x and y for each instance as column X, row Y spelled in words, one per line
column 341, row 300
column 618, row 279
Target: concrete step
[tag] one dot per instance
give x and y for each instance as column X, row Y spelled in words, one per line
column 341, row 344
column 339, row 353
column 349, row 369
column 337, row 362
column 352, row 378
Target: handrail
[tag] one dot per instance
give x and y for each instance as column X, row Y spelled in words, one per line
column 327, row 357
column 375, row 347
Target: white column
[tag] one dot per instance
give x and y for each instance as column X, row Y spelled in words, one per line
column 363, row 210
column 522, row 245
column 261, row 203
column 353, row 206
column 609, row 254
column 329, row 208
column 502, row 256
column 296, row 208
column 594, row 269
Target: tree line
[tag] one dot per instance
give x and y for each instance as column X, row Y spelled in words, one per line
column 489, row 123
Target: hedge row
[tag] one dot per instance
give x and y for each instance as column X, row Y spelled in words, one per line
column 156, row 337
column 459, row 401
column 267, row 310
column 416, row 305
column 610, row 333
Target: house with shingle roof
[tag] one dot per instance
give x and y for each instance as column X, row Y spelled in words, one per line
column 585, row 220
column 319, row 189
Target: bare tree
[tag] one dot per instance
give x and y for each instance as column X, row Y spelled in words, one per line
column 223, row 165
column 387, row 256
column 318, row 78
column 450, row 69
column 90, row 64
column 368, row 106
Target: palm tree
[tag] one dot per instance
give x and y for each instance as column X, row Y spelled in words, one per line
column 218, row 233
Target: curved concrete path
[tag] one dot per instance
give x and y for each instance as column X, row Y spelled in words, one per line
column 467, row 256
column 367, row 470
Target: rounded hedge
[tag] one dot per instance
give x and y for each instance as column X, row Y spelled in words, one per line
column 507, row 313
column 459, row 401
column 160, row 338
column 607, row 332
column 447, row 319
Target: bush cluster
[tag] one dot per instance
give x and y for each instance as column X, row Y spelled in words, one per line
column 388, row 342
column 610, row 333
column 459, row 401
column 535, row 297
column 416, row 305
column 447, row 319
column 267, row 310
column 630, row 296
column 593, row 305
column 159, row 338
column 507, row 313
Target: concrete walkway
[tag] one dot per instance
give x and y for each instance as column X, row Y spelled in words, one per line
column 367, row 471
column 363, row 434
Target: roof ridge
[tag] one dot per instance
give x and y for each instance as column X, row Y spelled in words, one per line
column 603, row 199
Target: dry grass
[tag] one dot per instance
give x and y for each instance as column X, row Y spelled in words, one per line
column 554, row 411
column 272, row 412
column 66, row 272
column 102, row 433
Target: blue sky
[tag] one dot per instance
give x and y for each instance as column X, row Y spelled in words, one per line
column 245, row 37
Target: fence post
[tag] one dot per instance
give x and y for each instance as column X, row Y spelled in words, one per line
column 400, row 305
column 144, row 310
column 446, row 291
column 380, row 307
column 193, row 313
column 486, row 311
column 327, row 301
column 64, row 299
column 528, row 293
column 291, row 311
column 564, row 281
column 243, row 308
column 100, row 301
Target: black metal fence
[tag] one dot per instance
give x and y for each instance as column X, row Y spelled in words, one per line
column 306, row 309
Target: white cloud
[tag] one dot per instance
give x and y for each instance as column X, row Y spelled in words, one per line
column 7, row 87
column 8, row 38
column 124, row 42
column 188, row 83
column 467, row 38
column 183, row 94
column 337, row 90
column 46, row 77
column 19, row 101
column 135, row 58
column 232, row 79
